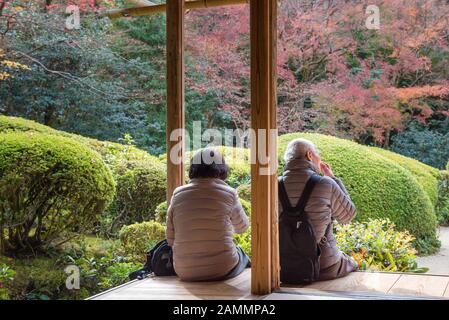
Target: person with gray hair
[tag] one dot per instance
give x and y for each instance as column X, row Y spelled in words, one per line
column 328, row 201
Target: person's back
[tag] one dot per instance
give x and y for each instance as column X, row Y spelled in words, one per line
column 328, row 200
column 201, row 221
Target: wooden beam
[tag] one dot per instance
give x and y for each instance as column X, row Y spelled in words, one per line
column 263, row 108
column 140, row 3
column 275, row 262
column 161, row 8
column 175, row 92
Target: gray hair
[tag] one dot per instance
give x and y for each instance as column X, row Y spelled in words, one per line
column 298, row 148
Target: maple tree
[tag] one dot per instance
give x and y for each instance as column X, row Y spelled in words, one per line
column 8, row 67
column 361, row 82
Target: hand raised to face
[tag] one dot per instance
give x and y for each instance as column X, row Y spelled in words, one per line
column 326, row 169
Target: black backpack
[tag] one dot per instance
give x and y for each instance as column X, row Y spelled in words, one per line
column 298, row 249
column 159, row 261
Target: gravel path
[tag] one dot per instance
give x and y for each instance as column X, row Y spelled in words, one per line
column 438, row 263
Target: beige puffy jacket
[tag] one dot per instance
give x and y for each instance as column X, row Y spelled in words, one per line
column 329, row 199
column 201, row 220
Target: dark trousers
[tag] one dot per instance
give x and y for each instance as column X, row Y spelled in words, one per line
column 244, row 262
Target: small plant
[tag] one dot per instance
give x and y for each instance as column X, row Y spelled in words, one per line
column 6, row 276
column 138, row 238
column 160, row 213
column 244, row 241
column 375, row 245
column 244, row 192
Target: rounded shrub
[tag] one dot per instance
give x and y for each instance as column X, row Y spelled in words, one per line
column 379, row 187
column 244, row 192
column 138, row 238
column 141, row 185
column 427, row 176
column 140, row 177
column 50, row 188
column 110, row 151
column 8, row 124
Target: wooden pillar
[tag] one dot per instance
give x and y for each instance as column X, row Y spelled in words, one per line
column 175, row 91
column 275, row 262
column 265, row 261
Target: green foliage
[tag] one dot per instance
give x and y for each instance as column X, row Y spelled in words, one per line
column 40, row 278
column 141, row 185
column 6, row 276
column 424, row 144
column 244, row 192
column 51, row 189
column 102, row 265
column 377, row 246
column 138, row 238
column 244, row 241
column 434, row 182
column 140, row 177
column 379, row 187
column 246, row 207
column 442, row 207
column 96, row 89
column 426, row 176
column 161, row 213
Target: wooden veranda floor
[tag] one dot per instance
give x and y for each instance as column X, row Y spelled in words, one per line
column 358, row 285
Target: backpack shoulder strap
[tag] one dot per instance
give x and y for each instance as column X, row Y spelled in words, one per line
column 310, row 185
column 283, row 196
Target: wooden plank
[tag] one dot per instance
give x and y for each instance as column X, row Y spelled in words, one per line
column 359, row 282
column 140, row 3
column 418, row 285
column 155, row 288
column 288, row 296
column 160, row 8
column 275, row 262
column 446, row 292
column 359, row 285
column 262, row 107
column 175, row 94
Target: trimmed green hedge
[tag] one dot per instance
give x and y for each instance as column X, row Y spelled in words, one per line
column 110, row 151
column 427, row 176
column 138, row 238
column 140, row 177
column 50, row 186
column 141, row 185
column 433, row 181
column 379, row 187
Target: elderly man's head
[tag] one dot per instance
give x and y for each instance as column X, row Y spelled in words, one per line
column 302, row 149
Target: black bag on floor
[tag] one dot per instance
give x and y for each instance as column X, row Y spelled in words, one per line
column 159, row 261
column 298, row 249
